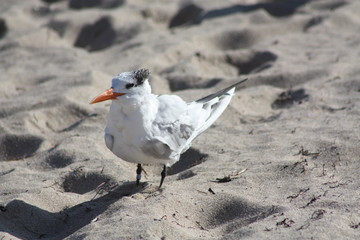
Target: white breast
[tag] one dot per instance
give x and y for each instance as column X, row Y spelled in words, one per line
column 129, row 128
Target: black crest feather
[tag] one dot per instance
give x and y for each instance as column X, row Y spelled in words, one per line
column 141, row 75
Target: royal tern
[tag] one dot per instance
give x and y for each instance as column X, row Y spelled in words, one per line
column 145, row 128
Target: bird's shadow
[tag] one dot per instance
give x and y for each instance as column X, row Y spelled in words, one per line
column 188, row 159
column 27, row 221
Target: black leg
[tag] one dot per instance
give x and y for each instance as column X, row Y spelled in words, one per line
column 138, row 174
column 163, row 175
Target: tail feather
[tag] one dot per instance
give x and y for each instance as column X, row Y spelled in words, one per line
column 214, row 104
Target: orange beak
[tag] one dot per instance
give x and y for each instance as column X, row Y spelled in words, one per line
column 107, row 95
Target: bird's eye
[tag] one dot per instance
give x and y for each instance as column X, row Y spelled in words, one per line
column 129, row 85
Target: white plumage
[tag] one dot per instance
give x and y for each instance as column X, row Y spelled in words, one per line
column 155, row 129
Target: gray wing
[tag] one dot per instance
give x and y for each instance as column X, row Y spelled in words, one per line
column 157, row 149
column 171, row 128
column 178, row 123
column 170, row 140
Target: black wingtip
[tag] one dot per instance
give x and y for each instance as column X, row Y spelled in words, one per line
column 238, row 83
column 221, row 92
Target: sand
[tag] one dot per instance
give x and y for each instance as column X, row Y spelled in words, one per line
column 282, row 162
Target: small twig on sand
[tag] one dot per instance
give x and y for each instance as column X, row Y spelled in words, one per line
column 229, row 177
column 105, row 186
column 301, row 191
column 307, row 153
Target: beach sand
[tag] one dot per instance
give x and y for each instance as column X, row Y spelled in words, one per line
column 282, row 162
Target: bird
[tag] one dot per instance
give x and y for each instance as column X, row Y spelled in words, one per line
column 146, row 128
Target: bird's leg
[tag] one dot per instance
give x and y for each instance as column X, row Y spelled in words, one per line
column 163, row 175
column 138, row 174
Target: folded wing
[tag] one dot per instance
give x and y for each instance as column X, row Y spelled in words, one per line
column 178, row 123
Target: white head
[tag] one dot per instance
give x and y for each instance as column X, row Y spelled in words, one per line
column 126, row 83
